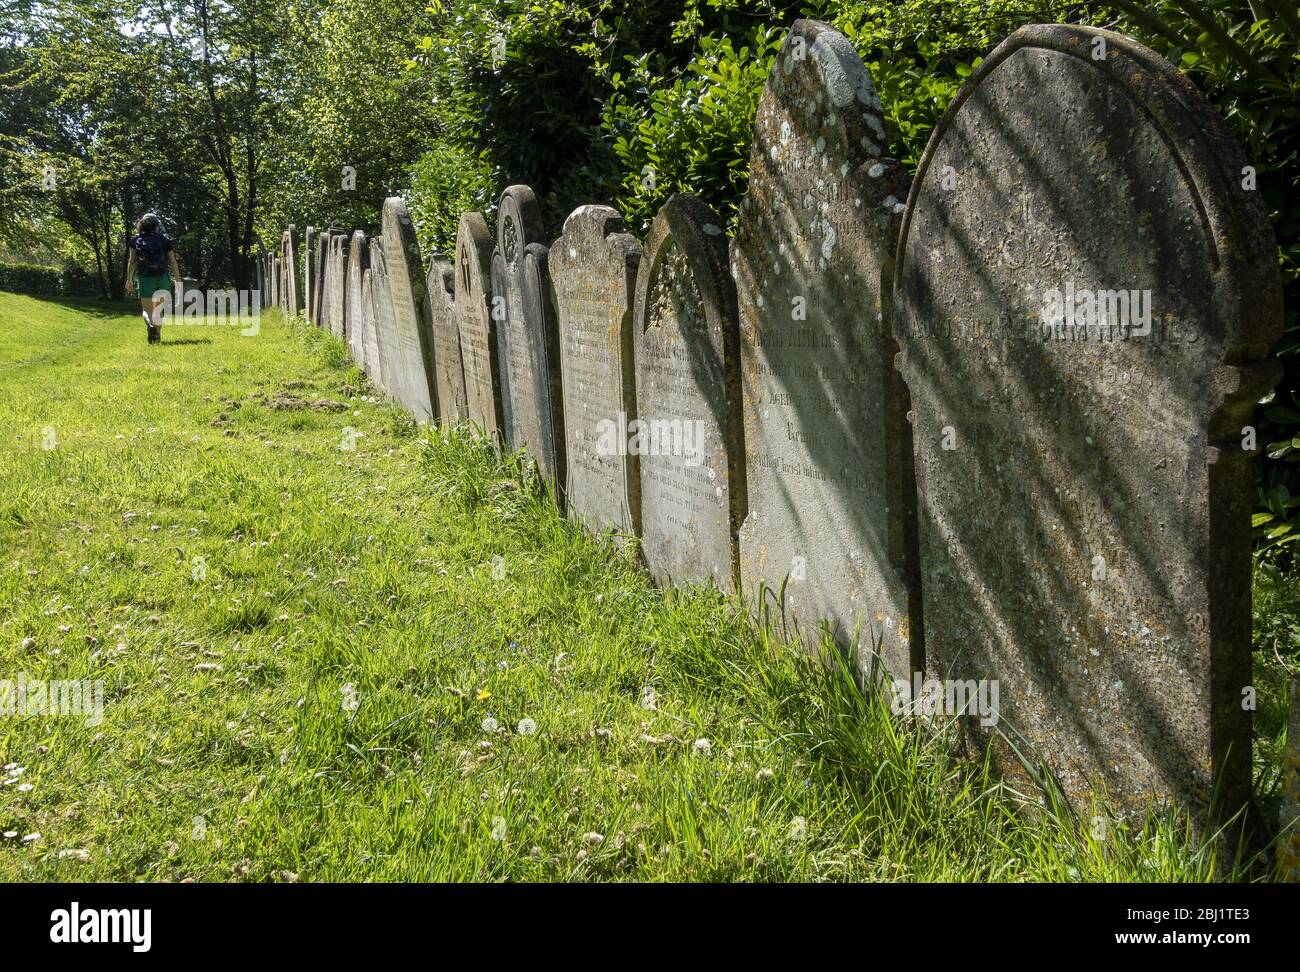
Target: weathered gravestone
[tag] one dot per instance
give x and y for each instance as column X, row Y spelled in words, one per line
column 1084, row 294
column 386, row 341
column 689, row 433
column 415, row 388
column 527, row 341
column 497, row 279
column 338, row 283
column 260, row 264
column 369, row 327
column 358, row 264
column 275, row 279
column 449, row 375
column 309, row 236
column 828, row 455
column 290, row 270
column 327, row 285
column 321, row 258
column 282, row 275
column 478, row 340
column 593, row 271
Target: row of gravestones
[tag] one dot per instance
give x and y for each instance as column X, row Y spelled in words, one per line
column 989, row 420
column 276, row 275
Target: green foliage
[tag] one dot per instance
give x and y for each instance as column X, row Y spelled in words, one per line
column 691, row 133
column 27, row 278
column 447, row 181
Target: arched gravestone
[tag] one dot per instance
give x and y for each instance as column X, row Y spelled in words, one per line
column 689, row 434
column 416, row 388
column 309, row 235
column 449, row 375
column 1084, row 493
column 358, row 264
column 369, row 328
column 593, row 272
column 828, row 455
column 478, row 343
column 386, row 342
column 527, row 341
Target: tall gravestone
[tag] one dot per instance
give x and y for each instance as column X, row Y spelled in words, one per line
column 593, row 269
column 449, row 374
column 527, row 340
column 416, row 389
column 275, row 279
column 260, row 264
column 309, row 235
column 321, row 257
column 497, row 279
column 291, row 300
column 386, row 339
column 689, row 435
column 282, row 272
column 478, row 339
column 369, row 328
column 338, row 283
column 828, row 454
column 1085, row 292
column 358, row 264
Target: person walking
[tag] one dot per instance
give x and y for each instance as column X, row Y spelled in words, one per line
column 150, row 269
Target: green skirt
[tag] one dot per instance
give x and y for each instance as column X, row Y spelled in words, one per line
column 146, row 287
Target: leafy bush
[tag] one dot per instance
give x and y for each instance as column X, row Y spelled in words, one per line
column 27, row 278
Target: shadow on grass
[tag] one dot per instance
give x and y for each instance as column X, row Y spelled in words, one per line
column 177, row 343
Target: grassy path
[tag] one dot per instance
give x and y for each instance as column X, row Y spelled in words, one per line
column 337, row 647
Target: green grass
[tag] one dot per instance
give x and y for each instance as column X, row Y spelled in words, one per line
column 301, row 644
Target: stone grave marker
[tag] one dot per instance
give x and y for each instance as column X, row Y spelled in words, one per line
column 289, row 271
column 449, row 375
column 309, row 236
column 478, row 343
column 828, row 455
column 406, row 283
column 1085, row 293
column 321, row 257
column 527, row 340
column 689, row 435
column 386, row 340
column 369, row 324
column 593, row 269
column 358, row 264
column 338, row 284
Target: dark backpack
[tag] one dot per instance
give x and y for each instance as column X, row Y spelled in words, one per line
column 151, row 254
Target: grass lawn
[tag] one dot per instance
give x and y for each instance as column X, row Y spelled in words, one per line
column 336, row 646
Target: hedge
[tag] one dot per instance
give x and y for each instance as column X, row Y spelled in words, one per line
column 28, row 278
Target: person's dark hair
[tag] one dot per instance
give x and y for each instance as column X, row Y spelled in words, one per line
column 148, row 224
